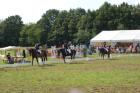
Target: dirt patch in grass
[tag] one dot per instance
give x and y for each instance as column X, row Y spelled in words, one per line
column 115, row 89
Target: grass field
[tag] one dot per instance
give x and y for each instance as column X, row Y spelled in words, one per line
column 118, row 75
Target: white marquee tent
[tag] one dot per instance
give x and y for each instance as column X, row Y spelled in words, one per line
column 117, row 36
column 8, row 48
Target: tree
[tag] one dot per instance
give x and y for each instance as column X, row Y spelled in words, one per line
column 76, row 25
column 46, row 23
column 82, row 37
column 1, row 33
column 30, row 34
column 12, row 27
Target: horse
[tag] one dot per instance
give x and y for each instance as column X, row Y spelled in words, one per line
column 35, row 54
column 64, row 54
column 103, row 51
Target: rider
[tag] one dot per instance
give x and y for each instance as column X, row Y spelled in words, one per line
column 104, row 46
column 37, row 48
column 67, row 47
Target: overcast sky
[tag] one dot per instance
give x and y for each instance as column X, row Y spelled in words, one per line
column 32, row 10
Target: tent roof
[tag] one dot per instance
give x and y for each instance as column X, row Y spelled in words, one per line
column 9, row 47
column 127, row 36
column 117, row 36
column 137, row 38
column 104, row 36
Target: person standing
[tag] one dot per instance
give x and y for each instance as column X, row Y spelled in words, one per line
column 10, row 60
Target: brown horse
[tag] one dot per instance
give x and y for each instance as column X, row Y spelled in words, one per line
column 103, row 51
column 42, row 55
column 64, row 54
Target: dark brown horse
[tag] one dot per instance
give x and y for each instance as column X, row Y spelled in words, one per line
column 103, row 51
column 35, row 54
column 64, row 54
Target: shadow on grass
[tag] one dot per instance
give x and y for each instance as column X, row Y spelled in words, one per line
column 107, row 59
column 113, row 59
column 75, row 62
column 46, row 65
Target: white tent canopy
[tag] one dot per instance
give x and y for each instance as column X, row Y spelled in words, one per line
column 137, row 38
column 117, row 36
column 104, row 36
column 8, row 48
column 127, row 36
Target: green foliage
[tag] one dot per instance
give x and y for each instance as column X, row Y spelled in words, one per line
column 76, row 25
column 11, row 30
column 82, row 36
column 47, row 23
column 30, row 34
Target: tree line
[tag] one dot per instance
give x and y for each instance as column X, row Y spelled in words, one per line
column 75, row 25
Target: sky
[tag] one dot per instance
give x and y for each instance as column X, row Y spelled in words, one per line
column 32, row 10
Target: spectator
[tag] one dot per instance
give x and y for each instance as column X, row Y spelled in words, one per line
column 23, row 54
column 10, row 59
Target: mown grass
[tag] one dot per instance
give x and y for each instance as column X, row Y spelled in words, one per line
column 118, row 75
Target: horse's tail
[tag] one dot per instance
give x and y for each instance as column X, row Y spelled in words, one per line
column 58, row 52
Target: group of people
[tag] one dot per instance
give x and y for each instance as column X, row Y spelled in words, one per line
column 10, row 59
column 66, row 46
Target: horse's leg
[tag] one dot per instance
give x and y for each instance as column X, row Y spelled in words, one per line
column 74, row 54
column 103, row 56
column 99, row 53
column 32, row 60
column 46, row 58
column 71, row 57
column 37, row 60
column 64, row 58
column 59, row 57
column 43, row 60
column 108, row 55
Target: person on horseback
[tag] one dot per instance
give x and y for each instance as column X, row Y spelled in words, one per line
column 67, row 47
column 105, row 47
column 37, row 48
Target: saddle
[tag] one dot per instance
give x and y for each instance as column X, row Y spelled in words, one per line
column 67, row 51
column 38, row 52
column 106, row 49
